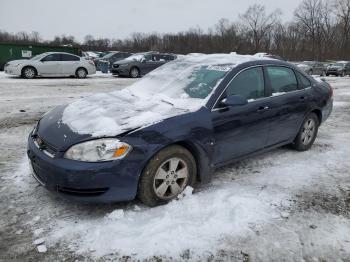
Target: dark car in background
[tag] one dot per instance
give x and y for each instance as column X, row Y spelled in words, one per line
column 175, row 126
column 339, row 69
column 140, row 64
column 111, row 58
column 312, row 67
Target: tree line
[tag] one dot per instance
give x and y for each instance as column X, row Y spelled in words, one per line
column 319, row 30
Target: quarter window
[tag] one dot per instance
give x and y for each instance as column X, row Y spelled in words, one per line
column 249, row 84
column 303, row 81
column 282, row 80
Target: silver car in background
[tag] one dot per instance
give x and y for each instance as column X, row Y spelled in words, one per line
column 51, row 64
column 312, row 67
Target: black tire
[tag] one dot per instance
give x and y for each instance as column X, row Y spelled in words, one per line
column 327, row 74
column 81, row 73
column 301, row 144
column 146, row 191
column 29, row 72
column 134, row 72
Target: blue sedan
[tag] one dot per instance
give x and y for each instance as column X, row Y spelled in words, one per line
column 175, row 126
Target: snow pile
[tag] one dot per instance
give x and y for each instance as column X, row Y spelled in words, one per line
column 159, row 95
column 195, row 222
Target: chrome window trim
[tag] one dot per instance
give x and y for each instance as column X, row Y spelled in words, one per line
column 213, row 109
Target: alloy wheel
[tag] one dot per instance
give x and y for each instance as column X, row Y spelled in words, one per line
column 134, row 73
column 171, row 178
column 308, row 132
column 29, row 73
column 81, row 73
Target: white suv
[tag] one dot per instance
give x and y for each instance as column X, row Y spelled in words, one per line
column 51, row 64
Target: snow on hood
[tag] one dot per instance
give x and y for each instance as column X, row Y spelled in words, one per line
column 109, row 114
column 159, row 95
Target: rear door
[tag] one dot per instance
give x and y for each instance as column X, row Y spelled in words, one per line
column 70, row 64
column 241, row 130
column 289, row 103
column 50, row 65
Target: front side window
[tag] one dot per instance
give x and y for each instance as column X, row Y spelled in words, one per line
column 52, row 57
column 249, row 84
column 282, row 79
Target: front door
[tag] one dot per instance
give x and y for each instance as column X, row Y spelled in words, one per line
column 241, row 130
column 50, row 65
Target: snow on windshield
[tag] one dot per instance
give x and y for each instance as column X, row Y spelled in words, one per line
column 178, row 87
column 136, row 57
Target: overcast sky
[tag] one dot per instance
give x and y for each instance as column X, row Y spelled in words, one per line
column 118, row 19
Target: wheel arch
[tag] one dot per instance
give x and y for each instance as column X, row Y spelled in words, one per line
column 318, row 113
column 204, row 169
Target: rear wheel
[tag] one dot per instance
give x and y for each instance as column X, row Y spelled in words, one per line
column 29, row 72
column 166, row 175
column 307, row 134
column 134, row 72
column 81, row 73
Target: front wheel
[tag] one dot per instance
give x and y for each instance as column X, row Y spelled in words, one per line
column 29, row 72
column 134, row 72
column 166, row 175
column 307, row 134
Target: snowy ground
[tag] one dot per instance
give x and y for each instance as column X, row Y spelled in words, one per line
column 282, row 205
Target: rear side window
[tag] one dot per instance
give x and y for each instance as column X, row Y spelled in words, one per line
column 52, row 57
column 282, row 79
column 303, row 81
column 249, row 84
column 66, row 57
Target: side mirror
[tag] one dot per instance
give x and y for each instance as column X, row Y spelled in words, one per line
column 234, row 100
column 143, row 60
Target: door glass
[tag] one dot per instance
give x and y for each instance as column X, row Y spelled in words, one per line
column 52, row 57
column 249, row 84
column 282, row 79
column 66, row 57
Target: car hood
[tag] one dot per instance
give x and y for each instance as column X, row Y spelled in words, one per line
column 19, row 61
column 103, row 115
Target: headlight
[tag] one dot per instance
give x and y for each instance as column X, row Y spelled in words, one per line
column 99, row 150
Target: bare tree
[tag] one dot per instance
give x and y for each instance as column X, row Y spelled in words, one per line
column 258, row 25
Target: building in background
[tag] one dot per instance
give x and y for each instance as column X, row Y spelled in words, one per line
column 13, row 51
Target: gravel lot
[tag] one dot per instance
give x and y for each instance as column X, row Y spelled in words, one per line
column 282, row 205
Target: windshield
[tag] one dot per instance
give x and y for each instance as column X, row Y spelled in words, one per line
column 135, row 57
column 38, row 57
column 181, row 80
column 108, row 55
column 339, row 64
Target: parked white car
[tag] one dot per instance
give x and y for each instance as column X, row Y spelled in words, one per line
column 51, row 64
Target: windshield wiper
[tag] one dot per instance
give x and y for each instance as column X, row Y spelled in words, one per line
column 167, row 102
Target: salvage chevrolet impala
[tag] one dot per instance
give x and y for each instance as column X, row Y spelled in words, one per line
column 175, row 126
